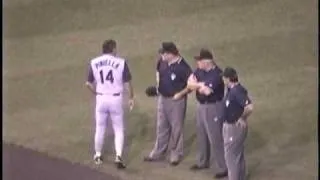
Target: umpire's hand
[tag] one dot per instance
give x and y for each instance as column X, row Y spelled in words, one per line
column 131, row 104
column 192, row 83
column 205, row 90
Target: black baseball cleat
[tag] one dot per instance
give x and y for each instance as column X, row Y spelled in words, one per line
column 174, row 163
column 196, row 167
column 221, row 175
column 98, row 159
column 149, row 159
column 119, row 163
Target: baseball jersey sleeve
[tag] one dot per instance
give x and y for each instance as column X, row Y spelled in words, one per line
column 126, row 76
column 158, row 64
column 187, row 72
column 90, row 77
column 242, row 98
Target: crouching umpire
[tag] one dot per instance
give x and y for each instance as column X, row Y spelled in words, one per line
column 172, row 74
column 237, row 108
column 208, row 84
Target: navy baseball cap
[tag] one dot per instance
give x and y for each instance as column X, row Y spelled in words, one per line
column 230, row 72
column 169, row 47
column 204, row 54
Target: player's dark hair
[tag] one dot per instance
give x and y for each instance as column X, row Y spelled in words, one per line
column 108, row 46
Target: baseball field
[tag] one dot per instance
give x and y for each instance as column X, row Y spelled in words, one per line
column 273, row 44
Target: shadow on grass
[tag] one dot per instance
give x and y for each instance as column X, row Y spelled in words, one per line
column 188, row 144
column 254, row 141
column 251, row 174
column 190, row 131
column 137, row 134
column 136, row 131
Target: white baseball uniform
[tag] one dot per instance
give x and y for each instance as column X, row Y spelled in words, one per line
column 109, row 73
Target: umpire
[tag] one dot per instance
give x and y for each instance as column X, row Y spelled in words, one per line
column 237, row 108
column 208, row 84
column 172, row 76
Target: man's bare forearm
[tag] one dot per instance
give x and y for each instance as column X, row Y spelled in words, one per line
column 185, row 91
column 247, row 111
column 91, row 87
column 157, row 78
column 200, row 86
column 129, row 87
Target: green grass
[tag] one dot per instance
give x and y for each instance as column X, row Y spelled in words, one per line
column 273, row 45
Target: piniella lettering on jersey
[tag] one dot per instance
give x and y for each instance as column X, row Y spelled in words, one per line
column 107, row 62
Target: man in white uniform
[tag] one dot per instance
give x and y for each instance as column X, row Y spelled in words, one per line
column 108, row 75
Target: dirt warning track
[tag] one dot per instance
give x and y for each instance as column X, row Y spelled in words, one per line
column 21, row 163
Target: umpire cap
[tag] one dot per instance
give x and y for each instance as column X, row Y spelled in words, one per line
column 204, row 54
column 169, row 47
column 230, row 73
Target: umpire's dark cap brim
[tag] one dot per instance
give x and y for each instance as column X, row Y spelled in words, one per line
column 229, row 72
column 169, row 47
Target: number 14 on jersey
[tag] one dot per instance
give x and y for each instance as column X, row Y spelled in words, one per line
column 109, row 76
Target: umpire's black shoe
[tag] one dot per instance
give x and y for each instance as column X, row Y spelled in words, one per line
column 196, row 167
column 221, row 175
column 150, row 159
column 119, row 163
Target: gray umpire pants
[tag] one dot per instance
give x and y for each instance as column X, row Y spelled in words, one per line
column 170, row 121
column 209, row 136
column 234, row 137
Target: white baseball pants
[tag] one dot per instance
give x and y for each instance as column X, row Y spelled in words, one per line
column 109, row 107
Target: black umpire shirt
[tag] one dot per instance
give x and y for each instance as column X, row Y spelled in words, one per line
column 172, row 78
column 234, row 102
column 213, row 80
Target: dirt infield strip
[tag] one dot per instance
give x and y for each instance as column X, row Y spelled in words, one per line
column 24, row 164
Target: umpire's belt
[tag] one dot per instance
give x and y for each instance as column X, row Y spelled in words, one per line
column 166, row 95
column 207, row 102
column 230, row 123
